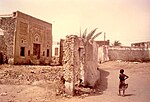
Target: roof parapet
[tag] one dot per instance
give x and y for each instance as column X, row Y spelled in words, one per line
column 6, row 15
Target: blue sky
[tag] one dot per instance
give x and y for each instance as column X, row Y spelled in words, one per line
column 125, row 20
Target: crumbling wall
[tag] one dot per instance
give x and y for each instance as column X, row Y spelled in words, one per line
column 70, row 63
column 80, row 61
column 8, row 25
column 2, row 44
column 2, row 49
column 129, row 54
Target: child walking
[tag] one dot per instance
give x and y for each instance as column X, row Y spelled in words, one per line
column 122, row 85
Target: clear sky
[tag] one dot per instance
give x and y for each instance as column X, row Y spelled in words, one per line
column 125, row 20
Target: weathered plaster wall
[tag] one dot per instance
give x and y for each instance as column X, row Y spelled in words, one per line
column 91, row 64
column 103, row 54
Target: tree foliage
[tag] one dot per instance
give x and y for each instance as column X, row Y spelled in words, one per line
column 89, row 36
column 116, row 43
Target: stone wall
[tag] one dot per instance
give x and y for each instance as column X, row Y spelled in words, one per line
column 35, row 36
column 129, row 54
column 80, row 61
column 8, row 25
column 2, row 44
column 2, row 49
column 68, row 64
column 27, row 39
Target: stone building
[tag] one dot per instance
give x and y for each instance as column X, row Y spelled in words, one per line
column 55, row 49
column 141, row 44
column 103, row 51
column 101, row 43
column 26, row 39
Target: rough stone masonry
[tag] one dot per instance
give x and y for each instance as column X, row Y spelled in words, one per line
column 26, row 39
column 79, row 62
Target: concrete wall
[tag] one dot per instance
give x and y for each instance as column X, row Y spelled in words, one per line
column 129, row 53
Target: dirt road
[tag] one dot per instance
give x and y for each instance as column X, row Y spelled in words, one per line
column 138, row 90
column 139, row 83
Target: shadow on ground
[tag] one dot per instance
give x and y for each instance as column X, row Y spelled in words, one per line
column 103, row 83
column 129, row 95
column 100, row 86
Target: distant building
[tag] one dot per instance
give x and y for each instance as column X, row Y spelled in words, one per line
column 141, row 44
column 26, row 38
column 55, row 49
column 101, row 43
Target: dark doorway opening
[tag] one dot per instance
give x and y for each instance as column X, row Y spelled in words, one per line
column 47, row 52
column 22, row 51
column 36, row 50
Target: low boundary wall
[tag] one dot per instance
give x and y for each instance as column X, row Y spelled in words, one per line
column 129, row 53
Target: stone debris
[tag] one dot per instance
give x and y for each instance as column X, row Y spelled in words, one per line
column 119, row 61
column 135, row 62
column 28, row 75
column 11, row 101
column 84, row 95
column 32, row 71
column 4, row 94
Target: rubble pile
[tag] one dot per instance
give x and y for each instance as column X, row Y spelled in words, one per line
column 28, row 75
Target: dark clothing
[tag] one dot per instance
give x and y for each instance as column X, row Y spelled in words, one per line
column 122, row 85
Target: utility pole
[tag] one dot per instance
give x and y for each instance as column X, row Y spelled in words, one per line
column 80, row 32
column 104, row 38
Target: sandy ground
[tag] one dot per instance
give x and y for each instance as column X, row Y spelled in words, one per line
column 138, row 90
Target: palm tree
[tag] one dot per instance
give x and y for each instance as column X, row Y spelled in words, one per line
column 89, row 36
column 116, row 43
column 89, row 53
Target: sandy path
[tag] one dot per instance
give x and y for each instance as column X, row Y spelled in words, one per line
column 139, row 83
